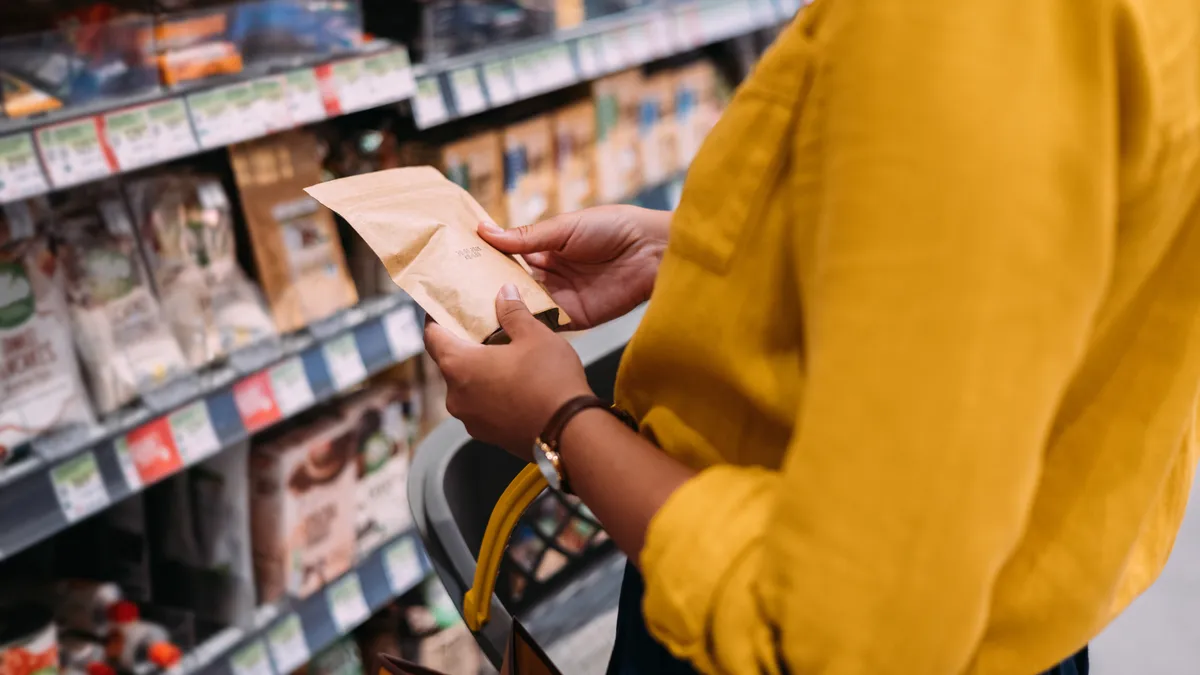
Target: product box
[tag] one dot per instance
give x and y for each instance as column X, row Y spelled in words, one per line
column 575, row 157
column 529, row 174
column 476, row 164
column 657, row 132
column 296, row 246
column 618, row 173
column 697, row 104
column 382, row 453
column 303, row 508
column 454, row 27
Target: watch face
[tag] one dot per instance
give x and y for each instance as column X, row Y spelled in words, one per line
column 546, row 466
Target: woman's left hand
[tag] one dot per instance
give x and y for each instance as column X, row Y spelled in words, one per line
column 505, row 394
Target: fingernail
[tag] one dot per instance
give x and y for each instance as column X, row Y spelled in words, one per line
column 490, row 227
column 510, row 292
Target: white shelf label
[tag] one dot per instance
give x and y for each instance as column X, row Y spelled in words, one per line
column 560, row 66
column 192, row 428
column 391, row 76
column 251, row 660
column 271, row 103
column 128, row 467
column 660, row 36
column 304, row 101
column 346, row 603
column 79, row 486
column 289, row 648
column 637, row 44
column 404, row 336
column 289, row 383
column 468, row 93
column 345, row 363
column 73, row 153
column 429, row 107
column 20, row 172
column 149, row 134
column 526, row 75
column 225, row 115
column 403, row 565
column 590, row 62
column 353, row 86
column 497, row 76
column 613, row 47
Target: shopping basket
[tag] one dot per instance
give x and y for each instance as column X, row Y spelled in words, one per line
column 455, row 484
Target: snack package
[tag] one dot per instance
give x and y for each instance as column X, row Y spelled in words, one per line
column 476, row 164
column 656, row 130
column 575, row 153
column 296, row 247
column 302, row 508
column 40, row 382
column 618, row 174
column 381, row 459
column 423, row 227
column 120, row 331
column 187, row 226
column 697, row 107
column 528, row 171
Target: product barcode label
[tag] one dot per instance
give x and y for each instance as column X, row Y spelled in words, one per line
column 193, row 430
column 20, row 172
column 79, row 486
column 467, row 91
column 289, row 648
column 251, row 660
column 403, row 565
column 429, row 107
column 345, row 363
column 72, row 152
column 346, row 603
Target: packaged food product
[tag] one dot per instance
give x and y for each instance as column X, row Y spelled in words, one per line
column 28, row 641
column 575, row 156
column 187, row 227
column 476, row 164
column 303, row 508
column 40, row 382
column 697, row 106
column 133, row 644
column 656, row 129
column 381, row 460
column 296, row 247
column 528, row 171
column 424, row 228
column 83, row 605
column 618, row 174
column 120, row 331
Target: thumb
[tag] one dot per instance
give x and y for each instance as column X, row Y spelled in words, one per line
column 548, row 235
column 514, row 316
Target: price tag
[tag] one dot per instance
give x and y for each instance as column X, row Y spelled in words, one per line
column 271, row 103
column 226, row 115
column 289, row 382
column 637, row 44
column 402, row 563
column 403, row 335
column 251, row 660
column 468, row 93
column 560, row 65
column 345, row 363
column 289, row 648
column 688, row 31
column 590, row 62
column 429, row 106
column 392, row 76
column 525, row 75
column 304, row 102
column 346, row 603
column 497, row 77
column 352, row 85
column 254, row 397
column 613, row 48
column 139, row 139
column 72, row 152
column 151, row 450
column 79, row 486
column 128, row 467
column 20, row 172
column 660, row 36
column 193, row 430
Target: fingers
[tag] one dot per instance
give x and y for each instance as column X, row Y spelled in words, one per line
column 440, row 342
column 514, row 316
column 548, row 235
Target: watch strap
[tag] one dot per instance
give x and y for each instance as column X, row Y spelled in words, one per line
column 552, row 434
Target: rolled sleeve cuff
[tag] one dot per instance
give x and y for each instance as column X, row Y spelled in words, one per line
column 692, row 546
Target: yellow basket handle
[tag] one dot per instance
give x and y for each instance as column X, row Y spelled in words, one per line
column 520, row 493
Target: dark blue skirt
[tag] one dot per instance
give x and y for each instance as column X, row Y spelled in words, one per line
column 636, row 653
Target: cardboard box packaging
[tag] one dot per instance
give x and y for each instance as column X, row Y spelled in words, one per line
column 529, row 175
column 575, row 157
column 381, row 456
column 476, row 164
column 618, row 172
column 657, row 129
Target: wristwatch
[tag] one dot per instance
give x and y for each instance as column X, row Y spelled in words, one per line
column 545, row 447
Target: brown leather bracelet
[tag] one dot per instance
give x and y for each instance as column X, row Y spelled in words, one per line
column 545, row 447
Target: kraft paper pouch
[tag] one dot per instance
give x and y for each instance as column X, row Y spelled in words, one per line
column 423, row 227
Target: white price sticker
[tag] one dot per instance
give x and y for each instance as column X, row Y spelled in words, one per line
column 192, row 429
column 638, row 44
column 226, row 115
column 150, row 134
column 79, row 486
column 73, row 153
column 688, row 31
column 660, row 36
column 403, row 334
column 590, row 61
column 290, row 385
column 497, row 77
column 128, row 467
column 561, row 67
column 346, row 603
column 468, row 93
column 304, row 101
column 526, row 76
column 251, row 660
column 613, row 47
column 429, row 107
column 289, row 648
column 345, row 363
column 391, row 74
column 353, row 86
column 271, row 103
column 20, row 172
column 403, row 565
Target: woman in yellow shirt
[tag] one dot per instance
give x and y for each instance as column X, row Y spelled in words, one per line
column 918, row 378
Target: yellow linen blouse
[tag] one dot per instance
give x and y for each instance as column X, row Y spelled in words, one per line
column 929, row 326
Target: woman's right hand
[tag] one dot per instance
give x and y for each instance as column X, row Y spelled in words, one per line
column 598, row 263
